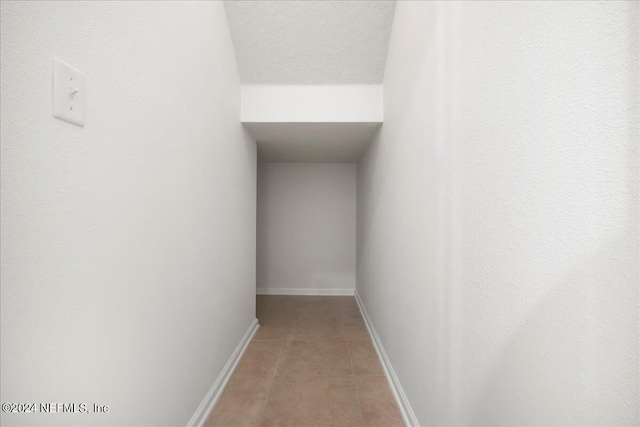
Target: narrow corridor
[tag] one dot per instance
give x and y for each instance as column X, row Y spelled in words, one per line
column 469, row 170
column 311, row 362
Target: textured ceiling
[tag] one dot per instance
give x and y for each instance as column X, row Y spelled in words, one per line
column 310, row 42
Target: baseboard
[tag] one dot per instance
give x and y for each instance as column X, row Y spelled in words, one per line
column 217, row 388
column 296, row 291
column 408, row 416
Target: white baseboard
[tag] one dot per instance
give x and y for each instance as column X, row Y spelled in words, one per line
column 408, row 416
column 217, row 388
column 297, row 291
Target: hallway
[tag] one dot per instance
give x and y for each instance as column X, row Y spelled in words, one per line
column 310, row 363
column 319, row 213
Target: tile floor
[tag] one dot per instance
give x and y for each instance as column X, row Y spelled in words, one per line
column 311, row 363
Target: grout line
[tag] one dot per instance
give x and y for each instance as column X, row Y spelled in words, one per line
column 279, row 356
column 346, row 339
column 266, row 400
column 350, row 359
column 273, row 380
column 355, row 381
column 364, row 422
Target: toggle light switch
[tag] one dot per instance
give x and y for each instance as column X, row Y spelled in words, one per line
column 69, row 93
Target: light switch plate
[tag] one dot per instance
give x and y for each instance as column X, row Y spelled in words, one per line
column 69, row 93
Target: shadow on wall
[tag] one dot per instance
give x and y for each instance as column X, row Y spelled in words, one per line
column 578, row 349
column 263, row 218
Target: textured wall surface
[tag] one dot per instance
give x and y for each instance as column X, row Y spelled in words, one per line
column 306, row 226
column 544, row 194
column 128, row 246
column 527, row 297
column 310, row 42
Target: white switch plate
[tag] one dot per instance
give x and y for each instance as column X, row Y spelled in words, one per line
column 69, row 93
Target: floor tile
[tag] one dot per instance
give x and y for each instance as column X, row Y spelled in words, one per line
column 270, row 318
column 357, row 333
column 320, row 310
column 351, row 311
column 364, row 358
column 242, row 403
column 315, row 358
column 319, row 313
column 313, row 401
column 321, row 329
column 356, row 322
column 275, row 307
column 316, row 353
column 272, row 332
column 260, row 358
column 378, row 405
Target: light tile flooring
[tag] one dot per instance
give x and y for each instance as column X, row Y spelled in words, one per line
column 311, row 363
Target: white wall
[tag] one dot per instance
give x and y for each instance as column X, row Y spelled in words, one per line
column 498, row 213
column 311, row 103
column 306, row 227
column 400, row 213
column 128, row 246
column 544, row 136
